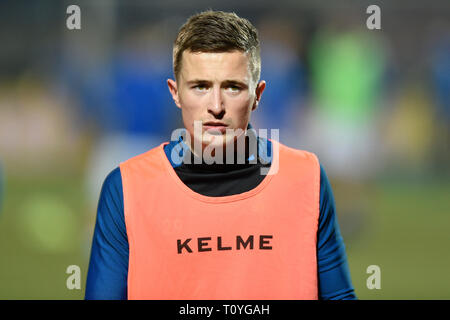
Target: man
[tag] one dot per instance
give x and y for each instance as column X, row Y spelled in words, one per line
column 173, row 225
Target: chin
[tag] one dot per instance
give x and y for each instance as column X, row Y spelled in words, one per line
column 214, row 140
column 217, row 141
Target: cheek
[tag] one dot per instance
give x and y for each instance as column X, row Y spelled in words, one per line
column 191, row 103
column 191, row 110
column 242, row 108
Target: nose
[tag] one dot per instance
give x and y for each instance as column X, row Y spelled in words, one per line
column 216, row 105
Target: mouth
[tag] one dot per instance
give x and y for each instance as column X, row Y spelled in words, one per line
column 215, row 127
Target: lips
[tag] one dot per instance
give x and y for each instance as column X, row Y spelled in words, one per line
column 214, row 124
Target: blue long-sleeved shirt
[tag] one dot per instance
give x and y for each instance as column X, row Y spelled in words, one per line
column 108, row 266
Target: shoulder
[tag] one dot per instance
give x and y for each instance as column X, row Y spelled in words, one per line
column 299, row 153
column 112, row 188
column 112, row 180
column 143, row 160
column 298, row 158
column 113, row 176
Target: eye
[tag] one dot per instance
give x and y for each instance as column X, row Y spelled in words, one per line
column 200, row 87
column 234, row 88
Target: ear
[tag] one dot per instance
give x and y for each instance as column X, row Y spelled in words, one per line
column 258, row 93
column 174, row 91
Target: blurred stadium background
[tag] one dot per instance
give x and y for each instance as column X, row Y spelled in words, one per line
column 374, row 105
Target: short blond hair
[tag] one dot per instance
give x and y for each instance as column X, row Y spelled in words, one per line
column 218, row 31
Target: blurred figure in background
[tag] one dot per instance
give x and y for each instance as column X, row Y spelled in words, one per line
column 37, row 134
column 38, row 145
column 124, row 101
column 346, row 75
column 139, row 112
column 347, row 69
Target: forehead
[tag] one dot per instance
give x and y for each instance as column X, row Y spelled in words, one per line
column 215, row 66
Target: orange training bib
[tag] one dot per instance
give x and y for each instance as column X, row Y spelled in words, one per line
column 256, row 245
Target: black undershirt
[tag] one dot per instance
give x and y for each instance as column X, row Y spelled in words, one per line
column 218, row 180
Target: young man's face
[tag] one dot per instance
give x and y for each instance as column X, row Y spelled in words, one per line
column 216, row 89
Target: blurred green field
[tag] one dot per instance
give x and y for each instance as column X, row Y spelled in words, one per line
column 407, row 237
column 405, row 233
column 29, row 270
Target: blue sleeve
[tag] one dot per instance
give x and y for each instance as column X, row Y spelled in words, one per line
column 108, row 264
column 334, row 275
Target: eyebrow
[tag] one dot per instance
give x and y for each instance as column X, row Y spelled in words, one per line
column 196, row 81
column 236, row 82
column 226, row 82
